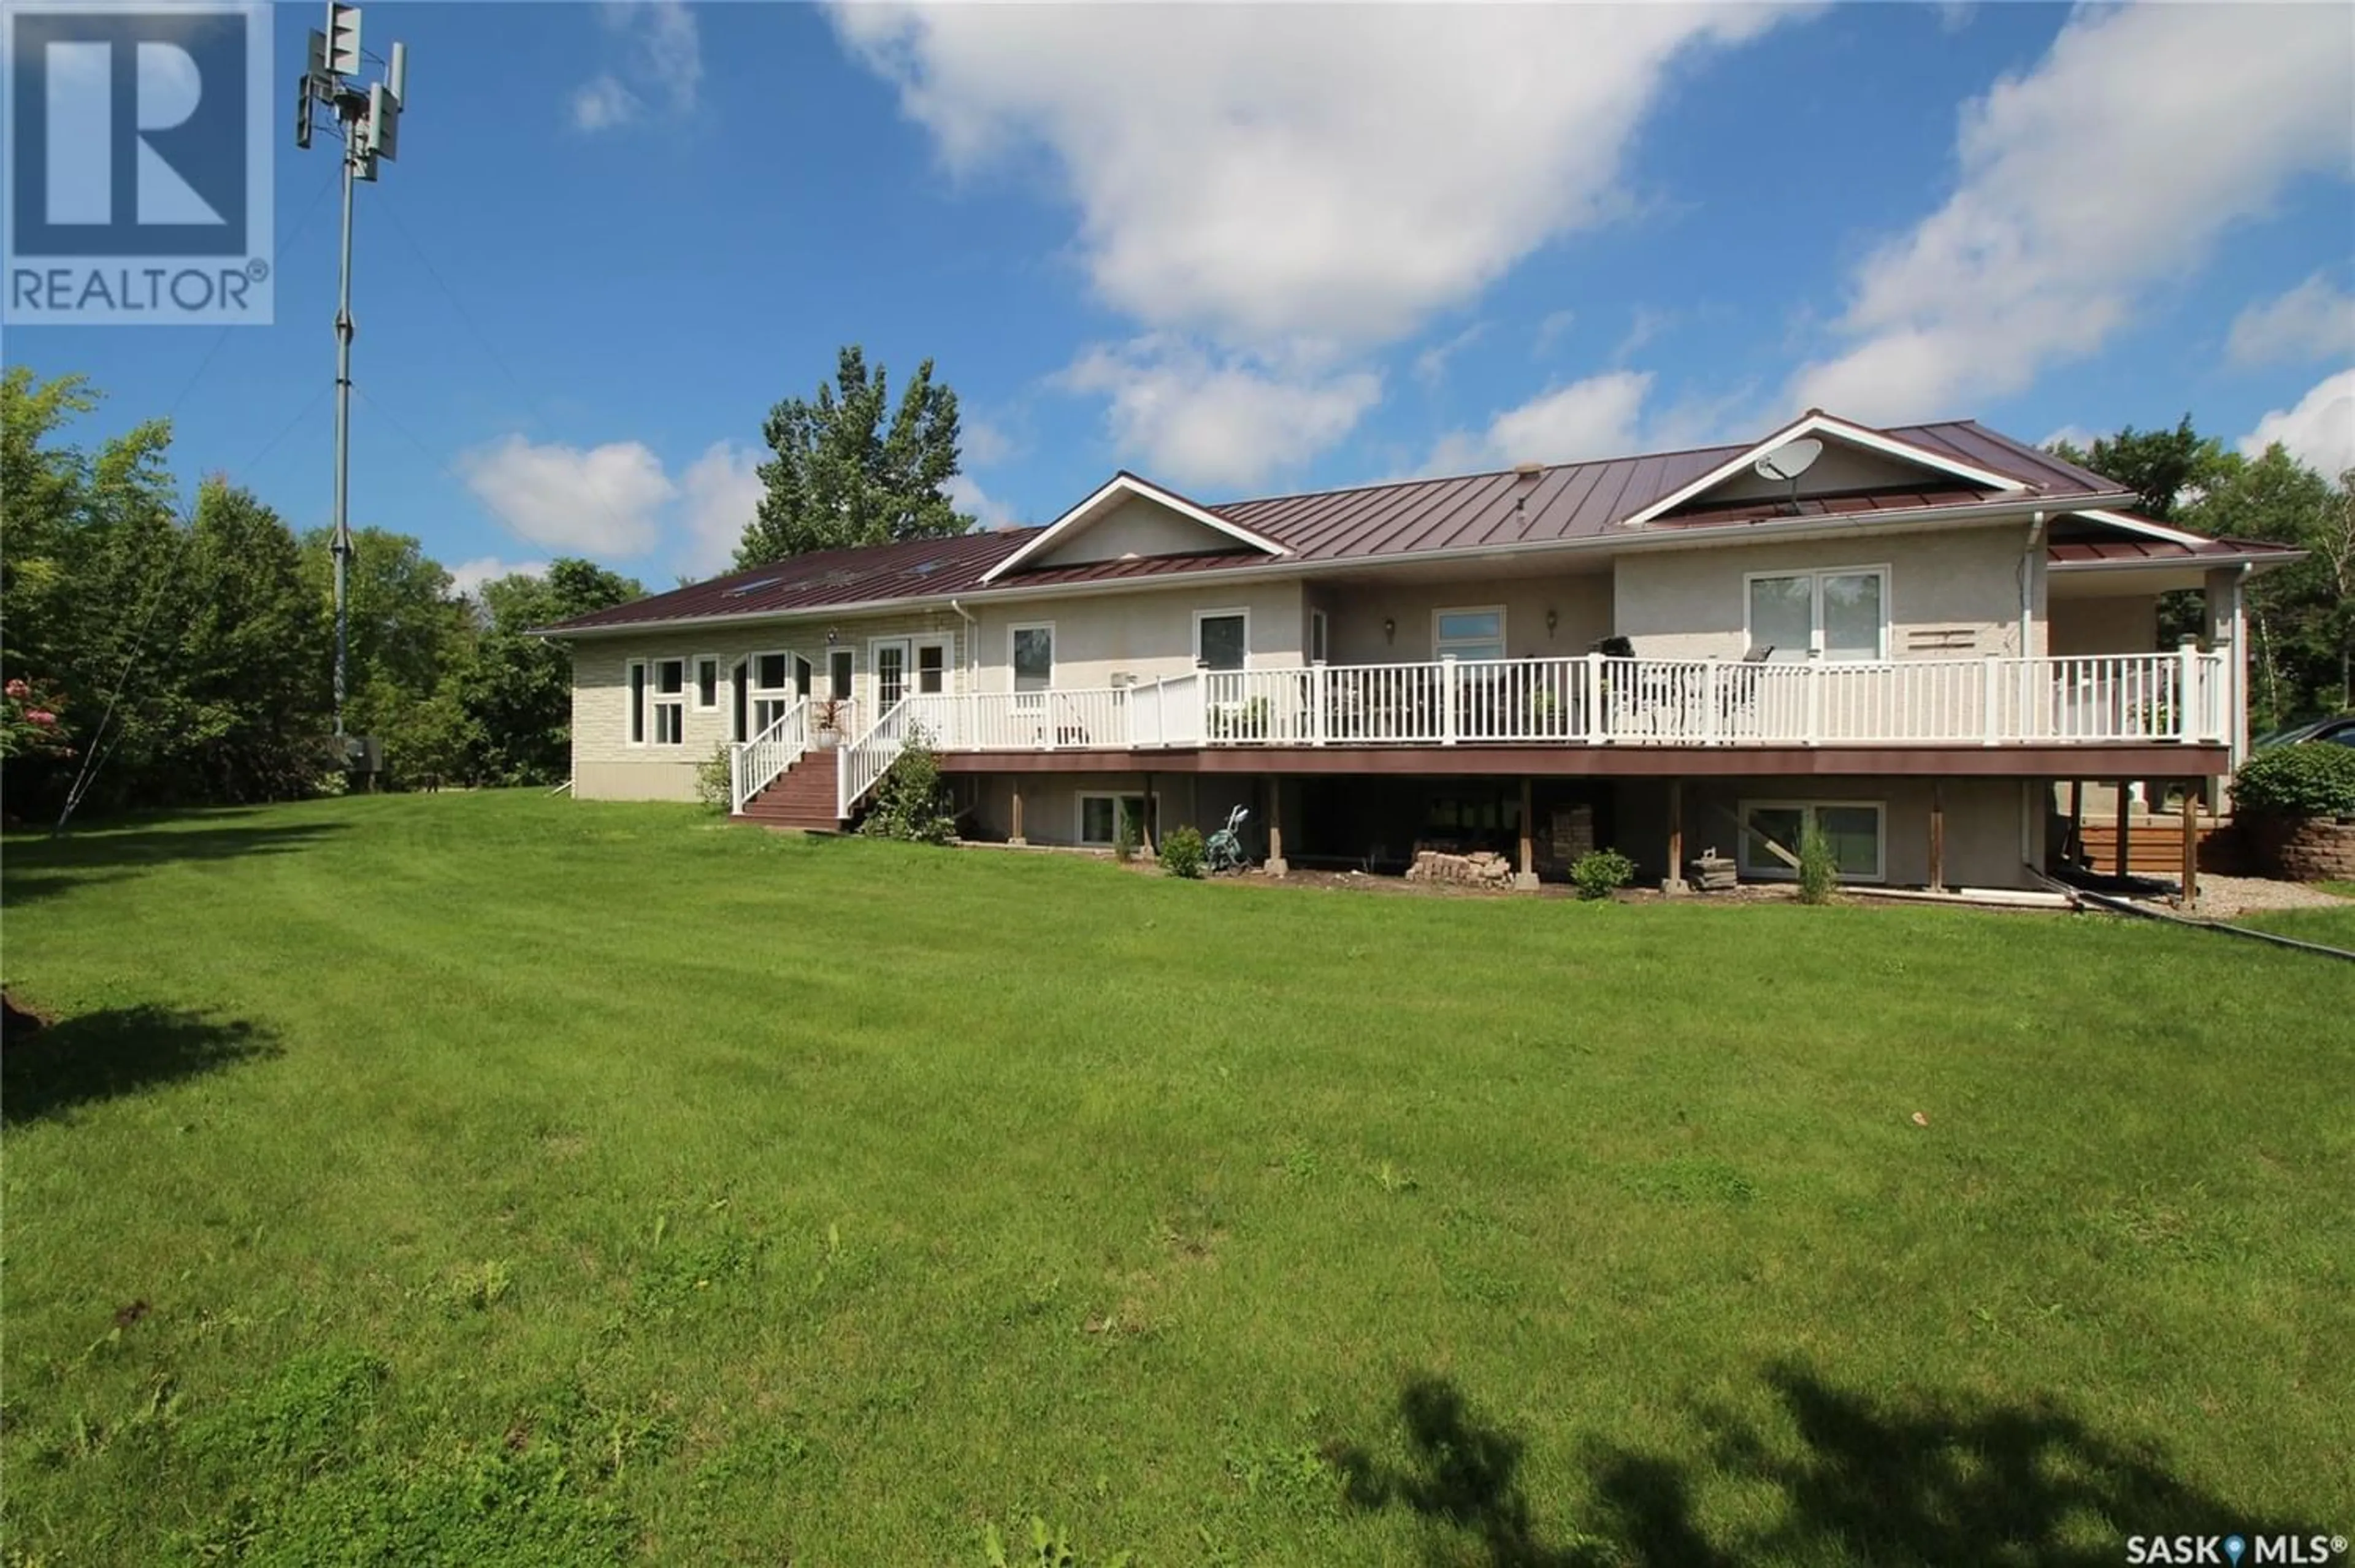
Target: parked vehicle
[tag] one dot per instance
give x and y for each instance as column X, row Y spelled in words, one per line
column 2339, row 730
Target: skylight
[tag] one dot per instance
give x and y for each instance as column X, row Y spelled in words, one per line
column 741, row 589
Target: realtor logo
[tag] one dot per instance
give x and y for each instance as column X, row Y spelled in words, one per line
column 139, row 163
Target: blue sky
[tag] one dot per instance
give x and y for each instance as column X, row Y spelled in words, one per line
column 1245, row 250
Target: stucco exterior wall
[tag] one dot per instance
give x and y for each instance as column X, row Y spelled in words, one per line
column 1984, row 820
column 1137, row 527
column 2114, row 623
column 1581, row 607
column 1951, row 594
column 1139, row 635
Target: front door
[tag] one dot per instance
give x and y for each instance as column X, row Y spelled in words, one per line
column 891, row 656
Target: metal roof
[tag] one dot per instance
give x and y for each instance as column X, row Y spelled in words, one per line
column 1560, row 503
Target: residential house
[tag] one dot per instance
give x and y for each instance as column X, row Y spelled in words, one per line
column 1902, row 636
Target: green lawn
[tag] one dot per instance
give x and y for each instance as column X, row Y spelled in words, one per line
column 2331, row 927
column 488, row 1178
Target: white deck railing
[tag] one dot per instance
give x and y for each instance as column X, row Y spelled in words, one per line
column 754, row 765
column 2182, row 697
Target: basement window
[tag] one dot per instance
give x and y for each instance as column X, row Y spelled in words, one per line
column 1857, row 831
column 1100, row 818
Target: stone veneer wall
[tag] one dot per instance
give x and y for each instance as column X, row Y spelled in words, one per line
column 2304, row 850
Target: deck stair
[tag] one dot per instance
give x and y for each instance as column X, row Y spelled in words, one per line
column 803, row 796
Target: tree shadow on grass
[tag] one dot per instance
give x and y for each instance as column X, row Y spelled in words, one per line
column 1901, row 1481
column 114, row 1051
column 40, row 867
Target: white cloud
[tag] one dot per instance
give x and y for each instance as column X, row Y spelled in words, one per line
column 602, row 104
column 983, row 444
column 987, row 511
column 2143, row 135
column 2312, row 321
column 468, row 576
column 603, row 500
column 1431, row 365
column 722, row 490
column 1274, row 171
column 2320, row 431
column 2075, row 435
column 661, row 53
column 1601, row 416
column 1551, row 329
column 1219, row 420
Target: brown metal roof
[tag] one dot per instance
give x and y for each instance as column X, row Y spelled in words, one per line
column 1559, row 502
column 2081, row 552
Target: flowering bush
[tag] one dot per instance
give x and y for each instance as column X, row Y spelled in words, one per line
column 28, row 721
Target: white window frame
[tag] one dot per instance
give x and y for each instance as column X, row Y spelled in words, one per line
column 756, row 694
column 1320, row 636
column 637, row 681
column 1438, row 646
column 657, row 700
column 833, row 652
column 947, row 644
column 695, row 682
column 1778, row 872
column 1816, row 575
column 1054, row 654
column 1080, row 814
column 1239, row 611
column 907, row 646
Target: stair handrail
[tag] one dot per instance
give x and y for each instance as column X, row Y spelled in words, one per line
column 754, row 765
column 859, row 762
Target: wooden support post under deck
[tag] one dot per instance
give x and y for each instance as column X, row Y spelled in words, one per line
column 1146, row 828
column 2125, row 826
column 1275, row 861
column 2190, row 894
column 1937, row 836
column 2076, row 844
column 1015, row 836
column 1675, row 880
column 1525, row 875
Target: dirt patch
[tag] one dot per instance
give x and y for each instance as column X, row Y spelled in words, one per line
column 2228, row 896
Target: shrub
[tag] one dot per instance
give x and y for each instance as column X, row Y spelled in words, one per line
column 715, row 782
column 1818, row 871
column 1126, row 834
column 910, row 801
column 1181, row 853
column 2298, row 781
column 1599, row 873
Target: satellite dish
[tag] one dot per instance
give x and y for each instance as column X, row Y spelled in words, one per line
column 1789, row 460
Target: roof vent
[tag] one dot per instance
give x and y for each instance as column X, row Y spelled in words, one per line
column 1527, row 471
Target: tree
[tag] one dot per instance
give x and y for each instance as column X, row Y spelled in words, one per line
column 517, row 690
column 839, row 478
column 2301, row 617
column 253, row 710
column 2167, row 468
column 409, row 637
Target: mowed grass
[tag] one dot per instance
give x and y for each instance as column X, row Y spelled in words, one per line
column 489, row 1178
column 2332, row 927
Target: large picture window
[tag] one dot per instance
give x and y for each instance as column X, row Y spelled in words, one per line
column 1855, row 830
column 1034, row 658
column 1222, row 638
column 1838, row 615
column 1468, row 633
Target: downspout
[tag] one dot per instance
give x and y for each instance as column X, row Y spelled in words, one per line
column 972, row 645
column 2028, row 560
